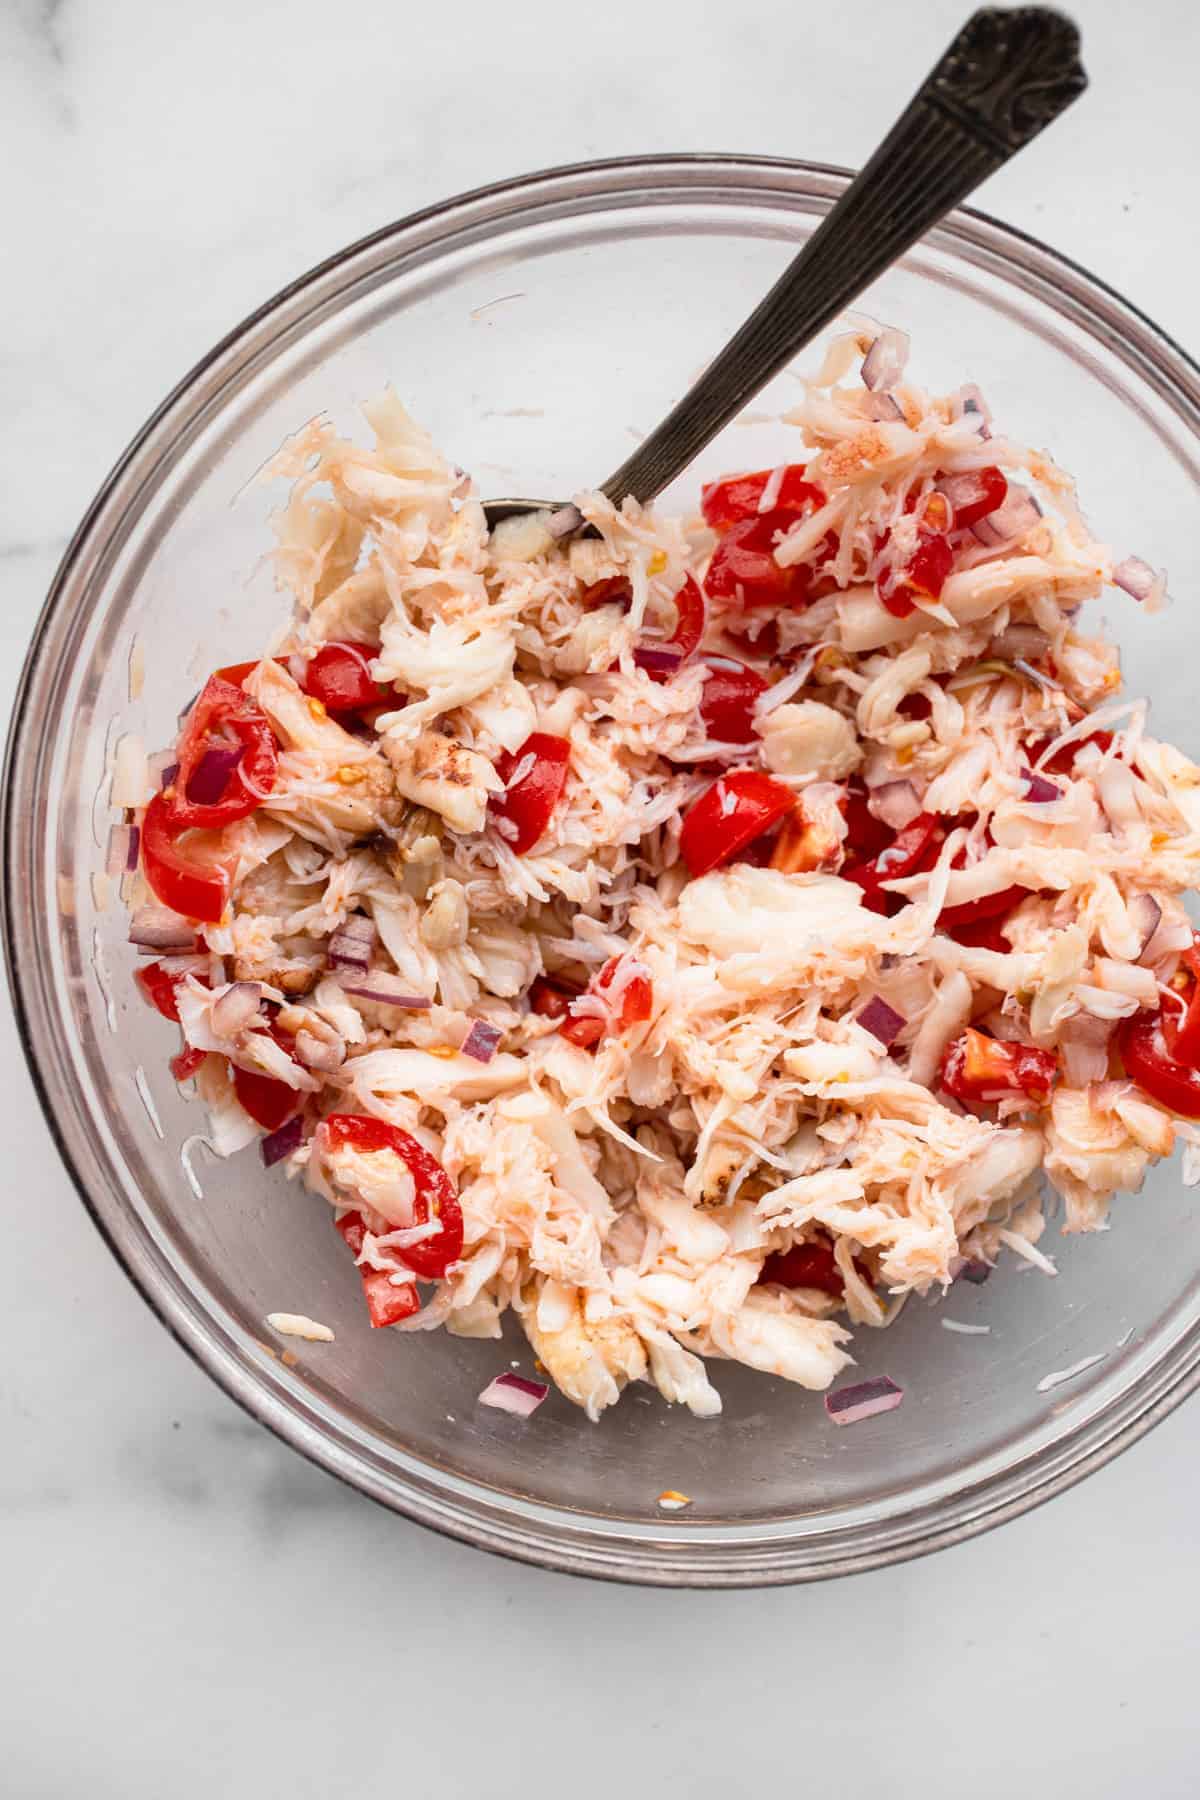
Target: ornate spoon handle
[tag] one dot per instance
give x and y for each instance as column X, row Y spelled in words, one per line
column 1004, row 78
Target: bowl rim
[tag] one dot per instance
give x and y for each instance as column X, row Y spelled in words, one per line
column 662, row 1553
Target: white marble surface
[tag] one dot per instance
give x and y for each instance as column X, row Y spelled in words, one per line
column 188, row 1608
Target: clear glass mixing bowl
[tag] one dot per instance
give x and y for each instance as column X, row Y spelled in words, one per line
column 533, row 327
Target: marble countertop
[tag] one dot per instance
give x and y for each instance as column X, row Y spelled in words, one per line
column 190, row 1609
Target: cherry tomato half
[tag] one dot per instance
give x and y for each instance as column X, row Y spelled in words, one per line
column 339, row 676
column 975, row 1068
column 159, row 988
column 528, row 805
column 729, row 815
column 270, row 1103
column 1182, row 1031
column 551, row 999
column 184, row 1065
column 198, row 889
column 727, row 702
column 434, row 1196
column 743, row 566
column 387, row 1303
column 974, row 912
column 224, row 722
column 922, row 577
column 690, row 620
column 974, row 493
column 637, row 1000
column 1143, row 1045
column 726, row 503
column 910, row 852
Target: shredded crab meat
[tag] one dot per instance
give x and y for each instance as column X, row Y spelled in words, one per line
column 678, row 1095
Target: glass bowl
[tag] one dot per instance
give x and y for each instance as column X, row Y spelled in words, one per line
column 534, row 328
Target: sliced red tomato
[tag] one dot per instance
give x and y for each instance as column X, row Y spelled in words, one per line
column 614, row 590
column 225, row 728
column 989, row 906
column 387, row 1302
column 727, row 702
column 159, row 987
column 528, row 805
column 866, row 835
column 725, row 503
column 270, row 1103
column 977, row 1068
column 636, row 1003
column 1148, row 1061
column 910, row 852
column 551, row 999
column 922, row 577
column 339, row 677
column 184, row 1065
column 975, row 493
column 1181, row 1025
column 236, row 673
column 810, row 1265
column 199, row 889
column 1063, row 761
column 743, row 566
column 983, row 934
column 729, row 815
column 690, row 619
column 434, row 1195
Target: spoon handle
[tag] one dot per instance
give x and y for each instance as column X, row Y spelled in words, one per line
column 1003, row 79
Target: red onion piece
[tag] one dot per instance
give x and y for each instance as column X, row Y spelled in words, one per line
column 514, row 1394
column 883, row 365
column 1019, row 514
column 210, row 777
column 481, row 1042
column 975, row 1270
column 158, row 928
column 1039, row 791
column 895, row 803
column 658, row 661
column 235, row 1008
column 1084, row 1040
column 973, row 406
column 862, row 1401
column 1136, row 577
column 1146, row 914
column 352, row 943
column 123, row 843
column 281, row 1143
column 883, row 408
column 564, row 521
column 882, row 1021
column 387, row 990
column 359, row 926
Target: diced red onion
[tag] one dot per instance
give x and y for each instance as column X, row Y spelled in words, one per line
column 1146, row 914
column 972, row 405
column 1083, row 1040
column 1039, row 791
column 281, row 1143
column 158, row 928
column 514, row 1394
column 352, row 943
column 959, row 490
column 233, row 1010
column 210, row 777
column 883, row 408
column 1019, row 514
column 1135, row 577
column 895, row 803
column 481, row 1042
column 882, row 1021
column 564, row 521
column 123, row 842
column 884, row 363
column 862, row 1401
column 975, row 1270
column 1170, row 938
column 387, row 990
column 1026, row 641
column 655, row 660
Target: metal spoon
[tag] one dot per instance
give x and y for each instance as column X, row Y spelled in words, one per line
column 1005, row 77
